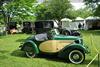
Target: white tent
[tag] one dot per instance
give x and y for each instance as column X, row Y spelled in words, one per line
column 91, row 17
column 66, row 19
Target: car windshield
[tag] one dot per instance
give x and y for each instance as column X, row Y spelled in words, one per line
column 55, row 31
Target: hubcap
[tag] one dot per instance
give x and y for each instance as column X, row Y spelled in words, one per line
column 75, row 56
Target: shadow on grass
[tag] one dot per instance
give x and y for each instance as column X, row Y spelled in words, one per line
column 52, row 58
column 19, row 53
column 57, row 59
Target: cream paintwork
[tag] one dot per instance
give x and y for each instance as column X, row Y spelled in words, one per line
column 53, row 46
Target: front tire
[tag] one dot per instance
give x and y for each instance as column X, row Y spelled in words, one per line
column 30, row 54
column 29, row 51
column 76, row 56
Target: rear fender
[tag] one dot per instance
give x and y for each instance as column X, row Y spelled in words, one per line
column 32, row 44
column 68, row 48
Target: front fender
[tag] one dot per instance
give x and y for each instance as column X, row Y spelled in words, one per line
column 32, row 44
column 68, row 48
column 76, row 46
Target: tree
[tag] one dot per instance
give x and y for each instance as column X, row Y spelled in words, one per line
column 59, row 8
column 97, row 11
column 21, row 9
column 40, row 11
column 94, row 4
column 84, row 12
column 53, row 9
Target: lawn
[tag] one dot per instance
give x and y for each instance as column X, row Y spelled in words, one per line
column 11, row 56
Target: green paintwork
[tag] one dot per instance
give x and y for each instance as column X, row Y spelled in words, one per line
column 34, row 46
column 63, row 53
column 63, row 37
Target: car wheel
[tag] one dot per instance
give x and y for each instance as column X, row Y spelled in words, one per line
column 66, row 32
column 76, row 56
column 30, row 54
column 76, row 34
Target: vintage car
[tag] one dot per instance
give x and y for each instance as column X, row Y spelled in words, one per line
column 27, row 27
column 51, row 42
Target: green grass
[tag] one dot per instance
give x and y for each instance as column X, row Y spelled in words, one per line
column 11, row 56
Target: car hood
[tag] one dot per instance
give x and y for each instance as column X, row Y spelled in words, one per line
column 63, row 37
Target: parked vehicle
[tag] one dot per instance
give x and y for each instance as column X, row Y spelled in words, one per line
column 27, row 27
column 12, row 27
column 49, row 41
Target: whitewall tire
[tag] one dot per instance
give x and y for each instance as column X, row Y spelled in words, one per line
column 30, row 54
column 76, row 56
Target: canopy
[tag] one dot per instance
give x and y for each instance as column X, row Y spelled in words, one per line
column 66, row 19
column 91, row 17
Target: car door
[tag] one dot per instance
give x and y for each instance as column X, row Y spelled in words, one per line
column 53, row 46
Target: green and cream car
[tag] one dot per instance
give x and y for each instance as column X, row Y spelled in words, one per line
column 70, row 48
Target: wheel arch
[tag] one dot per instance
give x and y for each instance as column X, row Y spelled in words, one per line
column 32, row 44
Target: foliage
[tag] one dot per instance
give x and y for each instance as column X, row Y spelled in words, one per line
column 97, row 11
column 53, row 9
column 90, row 1
column 40, row 12
column 1, row 18
column 22, row 9
column 84, row 12
column 94, row 4
column 18, row 10
column 58, row 8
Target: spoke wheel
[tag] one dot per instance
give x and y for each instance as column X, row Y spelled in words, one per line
column 76, row 56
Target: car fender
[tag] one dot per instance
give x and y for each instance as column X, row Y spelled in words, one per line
column 70, row 47
column 34, row 46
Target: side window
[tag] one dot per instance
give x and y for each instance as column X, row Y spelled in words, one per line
column 38, row 25
column 48, row 24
